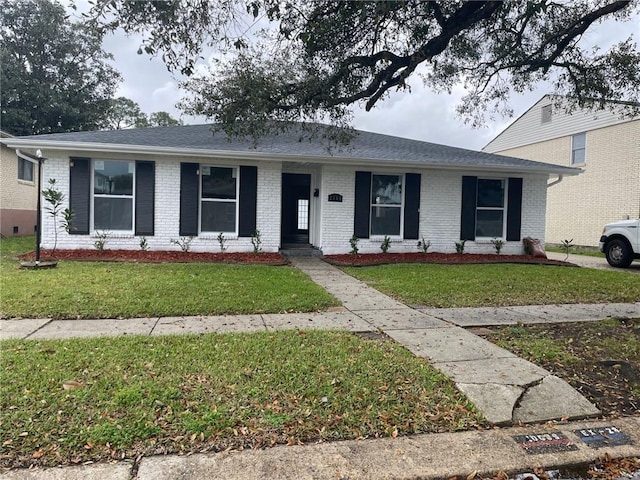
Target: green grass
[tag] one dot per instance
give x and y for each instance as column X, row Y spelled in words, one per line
column 112, row 290
column 588, row 251
column 141, row 395
column 498, row 284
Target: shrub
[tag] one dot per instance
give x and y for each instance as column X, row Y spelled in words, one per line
column 460, row 246
column 386, row 244
column 256, row 241
column 497, row 244
column 353, row 241
column 184, row 243
column 566, row 247
column 222, row 241
column 144, row 246
column 424, row 245
column 101, row 240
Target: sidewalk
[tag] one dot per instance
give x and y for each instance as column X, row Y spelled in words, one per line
column 506, row 388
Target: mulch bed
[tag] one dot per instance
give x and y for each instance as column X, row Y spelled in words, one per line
column 363, row 259
column 164, row 256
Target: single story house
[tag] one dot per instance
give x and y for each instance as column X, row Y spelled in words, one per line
column 168, row 183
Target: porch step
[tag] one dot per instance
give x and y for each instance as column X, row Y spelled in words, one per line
column 302, row 250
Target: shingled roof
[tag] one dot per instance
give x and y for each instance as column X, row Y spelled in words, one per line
column 291, row 145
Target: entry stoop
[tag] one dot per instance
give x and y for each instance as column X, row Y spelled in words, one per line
column 300, row 250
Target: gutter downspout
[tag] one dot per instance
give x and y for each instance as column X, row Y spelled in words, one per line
column 555, row 182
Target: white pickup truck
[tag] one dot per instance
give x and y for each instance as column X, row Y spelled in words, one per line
column 620, row 242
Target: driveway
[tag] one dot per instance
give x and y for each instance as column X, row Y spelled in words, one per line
column 594, row 262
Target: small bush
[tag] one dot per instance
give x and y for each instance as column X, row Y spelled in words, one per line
column 424, row 245
column 386, row 244
column 222, row 241
column 184, row 243
column 497, row 244
column 353, row 241
column 566, row 247
column 460, row 246
column 256, row 241
column 101, row 241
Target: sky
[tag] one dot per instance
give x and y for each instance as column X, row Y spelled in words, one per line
column 420, row 114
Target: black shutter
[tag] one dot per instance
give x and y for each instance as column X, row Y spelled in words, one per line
column 411, row 206
column 362, row 205
column 514, row 209
column 145, row 198
column 468, row 213
column 248, row 201
column 80, row 195
column 189, row 210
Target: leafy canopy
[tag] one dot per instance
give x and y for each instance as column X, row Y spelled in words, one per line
column 313, row 60
column 125, row 113
column 55, row 77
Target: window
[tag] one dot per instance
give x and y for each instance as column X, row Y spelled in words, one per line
column 218, row 195
column 113, row 195
column 303, row 214
column 386, row 204
column 490, row 208
column 25, row 170
column 578, row 149
column 546, row 114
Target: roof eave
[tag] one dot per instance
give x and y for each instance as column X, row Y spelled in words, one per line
column 23, row 143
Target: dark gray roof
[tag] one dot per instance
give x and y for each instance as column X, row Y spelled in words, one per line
column 364, row 146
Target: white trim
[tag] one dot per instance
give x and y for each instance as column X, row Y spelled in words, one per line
column 92, row 198
column 400, row 235
column 85, row 148
column 235, row 174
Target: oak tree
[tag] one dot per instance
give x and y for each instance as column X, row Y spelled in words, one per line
column 313, row 60
column 54, row 74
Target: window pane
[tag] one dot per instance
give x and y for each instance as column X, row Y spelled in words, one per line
column 490, row 193
column 489, row 223
column 113, row 178
column 303, row 214
column 218, row 183
column 579, row 141
column 25, row 170
column 112, row 213
column 385, row 220
column 386, row 190
column 578, row 156
column 218, row 216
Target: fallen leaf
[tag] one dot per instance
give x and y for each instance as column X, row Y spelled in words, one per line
column 71, row 385
column 472, row 475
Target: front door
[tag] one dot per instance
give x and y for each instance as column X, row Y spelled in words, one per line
column 296, row 188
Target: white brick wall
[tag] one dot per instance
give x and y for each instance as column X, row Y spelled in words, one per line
column 167, row 212
column 441, row 201
column 441, row 193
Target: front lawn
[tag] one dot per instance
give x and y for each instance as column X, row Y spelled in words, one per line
column 498, row 284
column 114, row 289
column 78, row 400
column 599, row 359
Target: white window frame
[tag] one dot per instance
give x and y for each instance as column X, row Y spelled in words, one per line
column 401, row 206
column 102, row 195
column 503, row 208
column 33, row 170
column 574, row 149
column 236, row 172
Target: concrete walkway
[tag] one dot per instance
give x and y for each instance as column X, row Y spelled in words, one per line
column 593, row 262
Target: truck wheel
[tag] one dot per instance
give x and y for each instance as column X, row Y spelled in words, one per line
column 618, row 253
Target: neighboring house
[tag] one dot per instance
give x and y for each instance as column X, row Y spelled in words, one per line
column 18, row 191
column 170, row 182
column 603, row 144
